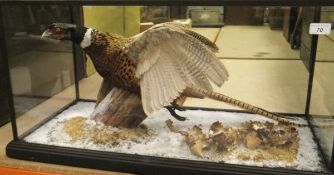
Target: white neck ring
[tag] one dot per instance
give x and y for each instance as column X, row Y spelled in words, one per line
column 87, row 39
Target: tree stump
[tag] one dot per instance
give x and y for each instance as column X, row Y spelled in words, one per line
column 120, row 108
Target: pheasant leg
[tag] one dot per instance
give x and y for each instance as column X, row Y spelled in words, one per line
column 178, row 107
column 173, row 113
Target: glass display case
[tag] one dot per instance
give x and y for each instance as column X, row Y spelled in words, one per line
column 53, row 91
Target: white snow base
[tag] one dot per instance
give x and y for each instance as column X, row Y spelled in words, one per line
column 165, row 143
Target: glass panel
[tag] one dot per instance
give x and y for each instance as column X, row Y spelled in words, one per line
column 322, row 103
column 264, row 70
column 265, row 52
column 41, row 72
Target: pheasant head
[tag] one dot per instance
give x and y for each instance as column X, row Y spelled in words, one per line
column 64, row 31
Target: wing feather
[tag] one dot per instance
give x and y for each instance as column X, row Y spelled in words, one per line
column 169, row 59
column 199, row 37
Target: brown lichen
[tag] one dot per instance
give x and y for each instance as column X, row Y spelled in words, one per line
column 263, row 140
column 244, row 156
column 194, row 138
column 74, row 126
column 225, row 138
column 252, row 141
column 78, row 128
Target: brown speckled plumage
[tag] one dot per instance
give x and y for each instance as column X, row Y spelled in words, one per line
column 111, row 61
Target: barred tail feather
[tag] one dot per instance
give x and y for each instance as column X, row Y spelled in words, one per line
column 251, row 108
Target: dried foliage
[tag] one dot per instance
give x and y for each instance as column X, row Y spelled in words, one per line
column 78, row 128
column 253, row 141
column 194, row 138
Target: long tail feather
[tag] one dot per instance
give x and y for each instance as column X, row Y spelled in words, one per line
column 277, row 117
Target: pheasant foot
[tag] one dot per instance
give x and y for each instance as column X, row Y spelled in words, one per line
column 178, row 107
column 173, row 113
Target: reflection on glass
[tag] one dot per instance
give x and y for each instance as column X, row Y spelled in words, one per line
column 41, row 72
column 322, row 102
column 38, row 69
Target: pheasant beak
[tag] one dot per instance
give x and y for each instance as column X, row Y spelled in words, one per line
column 48, row 34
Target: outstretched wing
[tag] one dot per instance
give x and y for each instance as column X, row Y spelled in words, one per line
column 198, row 36
column 169, row 59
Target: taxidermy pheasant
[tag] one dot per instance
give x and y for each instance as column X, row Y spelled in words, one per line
column 158, row 65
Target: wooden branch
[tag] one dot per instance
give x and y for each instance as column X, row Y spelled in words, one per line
column 120, row 108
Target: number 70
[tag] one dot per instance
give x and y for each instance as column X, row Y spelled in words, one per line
column 320, row 29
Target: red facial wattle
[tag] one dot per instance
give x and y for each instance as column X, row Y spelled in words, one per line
column 59, row 36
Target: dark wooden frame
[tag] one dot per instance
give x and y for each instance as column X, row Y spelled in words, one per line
column 20, row 149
